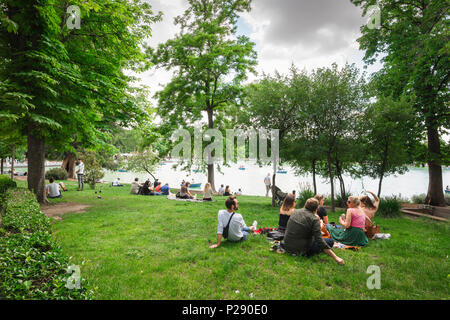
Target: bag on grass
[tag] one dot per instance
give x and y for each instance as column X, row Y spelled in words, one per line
column 371, row 229
column 275, row 235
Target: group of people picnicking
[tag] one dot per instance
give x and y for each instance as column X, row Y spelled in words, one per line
column 227, row 191
column 149, row 189
column 306, row 231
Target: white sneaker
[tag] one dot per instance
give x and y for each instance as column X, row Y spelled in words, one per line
column 254, row 224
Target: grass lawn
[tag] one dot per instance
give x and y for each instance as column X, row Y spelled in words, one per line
column 148, row 247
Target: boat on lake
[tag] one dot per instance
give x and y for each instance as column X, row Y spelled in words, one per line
column 195, row 185
column 241, row 168
column 281, row 170
column 122, row 170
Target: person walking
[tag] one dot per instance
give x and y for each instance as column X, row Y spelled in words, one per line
column 80, row 175
column 267, row 183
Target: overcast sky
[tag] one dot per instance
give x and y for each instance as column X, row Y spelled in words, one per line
column 308, row 33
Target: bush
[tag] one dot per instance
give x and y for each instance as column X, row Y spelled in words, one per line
column 389, row 207
column 56, row 174
column 342, row 201
column 93, row 170
column 32, row 264
column 21, row 212
column 6, row 183
column 303, row 196
column 419, row 198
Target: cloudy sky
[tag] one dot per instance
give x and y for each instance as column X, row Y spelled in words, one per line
column 308, row 33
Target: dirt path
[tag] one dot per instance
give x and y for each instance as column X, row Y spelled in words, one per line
column 57, row 210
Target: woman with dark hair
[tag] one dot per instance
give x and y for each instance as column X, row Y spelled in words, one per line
column 286, row 209
column 147, row 189
column 227, row 191
column 321, row 212
column 354, row 225
column 369, row 207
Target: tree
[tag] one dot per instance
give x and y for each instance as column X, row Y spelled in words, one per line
column 390, row 135
column 210, row 63
column 413, row 37
column 71, row 83
column 145, row 161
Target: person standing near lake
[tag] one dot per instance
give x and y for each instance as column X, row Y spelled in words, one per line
column 267, row 183
column 80, row 175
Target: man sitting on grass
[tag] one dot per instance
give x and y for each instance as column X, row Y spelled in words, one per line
column 237, row 229
column 303, row 235
column 52, row 190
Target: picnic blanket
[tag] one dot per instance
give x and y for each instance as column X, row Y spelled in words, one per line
column 189, row 200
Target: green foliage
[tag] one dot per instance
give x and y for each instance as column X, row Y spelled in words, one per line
column 389, row 207
column 418, row 198
column 303, row 196
column 6, row 183
column 22, row 212
column 145, row 161
column 93, row 170
column 341, row 201
column 56, row 174
column 32, row 264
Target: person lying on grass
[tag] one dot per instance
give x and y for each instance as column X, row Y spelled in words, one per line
column 237, row 229
column 303, row 235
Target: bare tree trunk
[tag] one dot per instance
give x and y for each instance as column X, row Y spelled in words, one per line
column 314, row 176
column 69, row 164
column 330, row 173
column 210, row 164
column 435, row 195
column 383, row 167
column 1, row 169
column 13, row 155
column 36, row 165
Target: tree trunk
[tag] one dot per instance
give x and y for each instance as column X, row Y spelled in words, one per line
column 435, row 195
column 383, row 168
column 1, row 169
column 211, row 165
column 330, row 173
column 314, row 176
column 36, row 165
column 69, row 164
column 13, row 156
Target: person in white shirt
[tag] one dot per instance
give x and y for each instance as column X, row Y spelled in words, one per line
column 116, row 183
column 267, row 183
column 52, row 190
column 239, row 192
column 237, row 229
column 221, row 190
column 135, row 185
column 80, row 175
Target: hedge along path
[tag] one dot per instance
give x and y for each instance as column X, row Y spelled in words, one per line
column 57, row 210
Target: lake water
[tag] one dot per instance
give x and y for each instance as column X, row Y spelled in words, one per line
column 251, row 180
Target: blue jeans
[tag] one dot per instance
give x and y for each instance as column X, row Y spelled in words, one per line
column 245, row 231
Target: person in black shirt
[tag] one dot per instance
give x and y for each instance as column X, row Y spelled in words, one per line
column 321, row 211
column 286, row 209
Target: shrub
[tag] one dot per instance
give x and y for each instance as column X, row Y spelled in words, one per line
column 56, row 174
column 389, row 207
column 93, row 170
column 342, row 201
column 419, row 198
column 21, row 212
column 6, row 183
column 32, row 264
column 303, row 196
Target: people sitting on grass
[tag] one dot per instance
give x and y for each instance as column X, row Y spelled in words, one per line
column 231, row 225
column 158, row 187
column 135, row 185
column 321, row 212
column 227, row 191
column 53, row 190
column 155, row 183
column 207, row 192
column 239, row 192
column 286, row 210
column 184, row 192
column 117, row 183
column 221, row 190
column 147, row 189
column 165, row 190
column 303, row 235
column 354, row 224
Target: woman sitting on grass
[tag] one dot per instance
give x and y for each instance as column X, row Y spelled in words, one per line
column 147, row 189
column 207, row 192
column 286, row 209
column 368, row 206
column 227, row 191
column 353, row 223
column 184, row 191
column 321, row 212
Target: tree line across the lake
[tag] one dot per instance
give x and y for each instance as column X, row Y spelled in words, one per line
column 65, row 91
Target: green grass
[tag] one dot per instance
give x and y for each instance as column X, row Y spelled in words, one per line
column 137, row 247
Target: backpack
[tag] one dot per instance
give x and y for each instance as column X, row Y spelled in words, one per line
column 225, row 230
